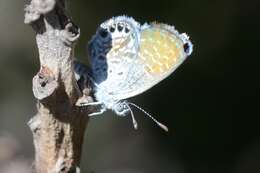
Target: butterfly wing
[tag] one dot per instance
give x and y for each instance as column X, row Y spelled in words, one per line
column 128, row 59
column 162, row 49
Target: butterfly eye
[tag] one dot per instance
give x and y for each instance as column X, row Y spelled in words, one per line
column 124, row 106
column 120, row 27
column 112, row 28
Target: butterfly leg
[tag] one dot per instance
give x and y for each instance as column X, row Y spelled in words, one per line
column 91, row 104
column 101, row 111
column 84, row 101
column 95, row 104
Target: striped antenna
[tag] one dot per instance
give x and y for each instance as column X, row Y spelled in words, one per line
column 133, row 118
column 164, row 127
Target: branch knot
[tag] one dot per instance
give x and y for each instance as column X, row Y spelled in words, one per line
column 44, row 83
column 70, row 34
column 36, row 8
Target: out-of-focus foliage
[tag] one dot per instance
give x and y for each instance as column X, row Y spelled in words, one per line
column 210, row 103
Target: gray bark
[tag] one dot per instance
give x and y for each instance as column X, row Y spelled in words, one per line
column 58, row 127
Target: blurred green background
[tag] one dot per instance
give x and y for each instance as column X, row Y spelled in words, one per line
column 210, row 104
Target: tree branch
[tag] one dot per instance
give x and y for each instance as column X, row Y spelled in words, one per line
column 58, row 127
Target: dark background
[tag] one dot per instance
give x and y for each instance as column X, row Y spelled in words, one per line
column 210, row 103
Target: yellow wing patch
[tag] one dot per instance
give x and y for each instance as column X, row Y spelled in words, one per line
column 160, row 49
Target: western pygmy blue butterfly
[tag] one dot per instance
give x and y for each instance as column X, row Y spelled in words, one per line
column 128, row 58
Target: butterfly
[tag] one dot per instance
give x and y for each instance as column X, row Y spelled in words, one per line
column 128, row 58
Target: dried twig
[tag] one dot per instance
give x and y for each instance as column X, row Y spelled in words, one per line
column 58, row 127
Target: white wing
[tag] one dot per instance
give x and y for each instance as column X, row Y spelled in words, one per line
column 128, row 60
column 162, row 49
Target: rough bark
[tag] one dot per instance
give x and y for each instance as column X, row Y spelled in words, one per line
column 58, row 127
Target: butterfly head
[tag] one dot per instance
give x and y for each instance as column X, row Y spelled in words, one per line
column 121, row 108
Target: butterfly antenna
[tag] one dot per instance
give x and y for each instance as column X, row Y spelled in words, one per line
column 133, row 118
column 150, row 116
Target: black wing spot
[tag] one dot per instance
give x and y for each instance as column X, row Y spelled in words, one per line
column 112, row 28
column 186, row 48
column 104, row 69
column 120, row 27
column 127, row 29
column 120, row 73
